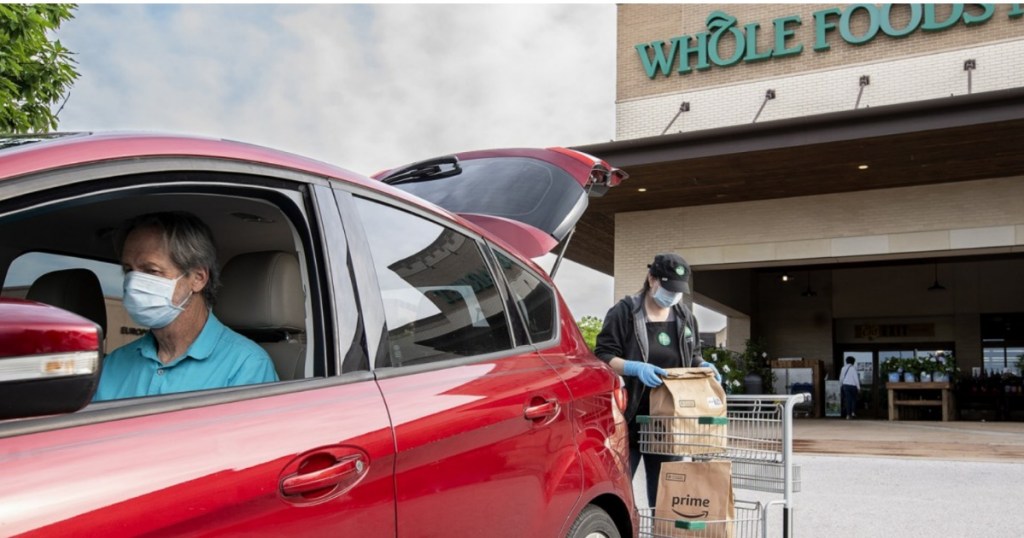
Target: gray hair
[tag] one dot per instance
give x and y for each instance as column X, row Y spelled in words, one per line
column 189, row 241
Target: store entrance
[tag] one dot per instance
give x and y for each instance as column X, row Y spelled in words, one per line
column 873, row 402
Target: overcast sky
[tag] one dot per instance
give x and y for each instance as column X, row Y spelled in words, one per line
column 365, row 87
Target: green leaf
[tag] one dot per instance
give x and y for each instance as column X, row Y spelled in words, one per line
column 35, row 73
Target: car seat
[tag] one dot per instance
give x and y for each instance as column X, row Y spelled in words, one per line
column 75, row 290
column 262, row 298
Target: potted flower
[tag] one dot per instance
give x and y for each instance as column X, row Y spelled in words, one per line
column 944, row 367
column 892, row 368
column 928, row 366
column 911, row 369
column 729, row 366
column 757, row 367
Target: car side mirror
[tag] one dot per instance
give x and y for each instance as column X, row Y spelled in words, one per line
column 49, row 359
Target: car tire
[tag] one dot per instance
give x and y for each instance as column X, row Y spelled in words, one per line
column 593, row 523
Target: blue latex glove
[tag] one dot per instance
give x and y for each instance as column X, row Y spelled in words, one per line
column 648, row 373
column 718, row 375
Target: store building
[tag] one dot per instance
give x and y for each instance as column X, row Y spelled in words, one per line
column 871, row 155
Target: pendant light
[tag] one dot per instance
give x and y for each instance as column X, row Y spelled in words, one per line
column 936, row 286
column 809, row 292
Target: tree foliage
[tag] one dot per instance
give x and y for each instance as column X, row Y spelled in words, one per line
column 590, row 326
column 35, row 72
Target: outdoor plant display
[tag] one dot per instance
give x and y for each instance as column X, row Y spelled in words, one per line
column 736, row 367
column 755, row 362
column 730, row 366
column 892, row 369
column 931, row 367
column 590, row 326
column 942, row 366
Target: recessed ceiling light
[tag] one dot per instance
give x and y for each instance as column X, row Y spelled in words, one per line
column 862, row 167
column 642, row 189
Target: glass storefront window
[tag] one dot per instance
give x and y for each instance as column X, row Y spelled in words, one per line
column 1003, row 359
column 864, row 365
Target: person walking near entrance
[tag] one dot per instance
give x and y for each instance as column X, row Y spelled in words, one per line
column 849, row 388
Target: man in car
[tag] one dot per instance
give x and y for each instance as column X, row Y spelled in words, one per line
column 171, row 275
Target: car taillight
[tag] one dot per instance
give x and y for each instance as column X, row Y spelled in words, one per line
column 621, row 399
column 49, row 366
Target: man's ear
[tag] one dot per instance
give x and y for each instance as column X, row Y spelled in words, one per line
column 200, row 278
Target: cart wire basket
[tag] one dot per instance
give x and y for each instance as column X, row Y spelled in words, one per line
column 751, row 435
column 746, row 524
column 756, row 435
column 758, row 448
column 683, row 436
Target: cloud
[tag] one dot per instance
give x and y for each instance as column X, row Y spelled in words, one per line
column 365, row 87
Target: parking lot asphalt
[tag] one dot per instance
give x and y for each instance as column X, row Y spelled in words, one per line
column 959, row 440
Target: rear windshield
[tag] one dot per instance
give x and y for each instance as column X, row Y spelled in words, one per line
column 528, row 190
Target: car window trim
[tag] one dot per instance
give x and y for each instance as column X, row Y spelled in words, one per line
column 83, row 173
column 367, row 292
column 332, row 228
column 556, row 318
column 442, row 218
column 514, row 319
column 398, row 204
column 144, row 406
column 444, row 364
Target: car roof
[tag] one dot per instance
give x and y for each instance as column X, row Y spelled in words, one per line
column 22, row 155
column 60, row 150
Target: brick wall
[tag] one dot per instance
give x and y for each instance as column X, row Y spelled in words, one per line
column 918, row 67
column 905, row 221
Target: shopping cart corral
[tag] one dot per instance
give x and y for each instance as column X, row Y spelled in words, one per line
column 756, row 435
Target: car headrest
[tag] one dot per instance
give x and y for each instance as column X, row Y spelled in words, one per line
column 74, row 290
column 262, row 292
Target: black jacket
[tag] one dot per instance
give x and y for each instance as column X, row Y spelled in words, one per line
column 624, row 335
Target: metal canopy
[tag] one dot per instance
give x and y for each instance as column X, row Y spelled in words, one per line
column 958, row 138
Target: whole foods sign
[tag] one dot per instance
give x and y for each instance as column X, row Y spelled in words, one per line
column 684, row 53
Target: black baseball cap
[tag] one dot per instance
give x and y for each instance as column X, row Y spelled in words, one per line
column 672, row 271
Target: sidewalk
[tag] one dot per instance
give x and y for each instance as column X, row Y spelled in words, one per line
column 968, row 441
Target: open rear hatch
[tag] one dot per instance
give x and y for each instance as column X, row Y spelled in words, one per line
column 530, row 198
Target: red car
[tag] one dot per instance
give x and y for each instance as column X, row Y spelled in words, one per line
column 433, row 381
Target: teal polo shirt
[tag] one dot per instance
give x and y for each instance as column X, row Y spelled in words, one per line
column 218, row 358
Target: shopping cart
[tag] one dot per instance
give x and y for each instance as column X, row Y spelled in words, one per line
column 747, row 522
column 756, row 435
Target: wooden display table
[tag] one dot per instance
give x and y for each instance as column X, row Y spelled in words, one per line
column 917, row 394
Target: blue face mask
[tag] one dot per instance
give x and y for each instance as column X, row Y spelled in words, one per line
column 665, row 298
column 149, row 299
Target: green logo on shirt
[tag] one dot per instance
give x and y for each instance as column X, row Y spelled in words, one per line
column 664, row 339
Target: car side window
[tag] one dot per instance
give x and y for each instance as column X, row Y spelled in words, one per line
column 440, row 298
column 266, row 252
column 536, row 300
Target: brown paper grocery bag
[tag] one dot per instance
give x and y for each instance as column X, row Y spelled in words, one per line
column 683, row 414
column 696, row 492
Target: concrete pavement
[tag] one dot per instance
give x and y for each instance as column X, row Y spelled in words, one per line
column 959, row 440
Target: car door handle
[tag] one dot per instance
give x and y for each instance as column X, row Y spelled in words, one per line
column 545, row 409
column 345, row 468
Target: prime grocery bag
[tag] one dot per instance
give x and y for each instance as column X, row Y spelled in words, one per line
column 695, row 498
